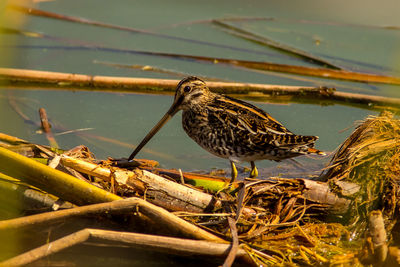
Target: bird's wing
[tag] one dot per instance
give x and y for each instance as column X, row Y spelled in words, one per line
column 254, row 123
column 247, row 116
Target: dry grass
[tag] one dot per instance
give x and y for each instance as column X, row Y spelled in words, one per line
column 370, row 157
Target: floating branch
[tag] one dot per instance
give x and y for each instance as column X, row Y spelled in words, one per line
column 160, row 85
column 154, row 69
column 273, row 19
column 126, row 206
column 46, row 127
column 52, row 15
column 272, row 43
column 266, row 66
column 170, row 245
column 114, row 207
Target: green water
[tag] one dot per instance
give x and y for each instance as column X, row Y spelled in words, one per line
column 127, row 117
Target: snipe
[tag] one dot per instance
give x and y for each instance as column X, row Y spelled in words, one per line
column 231, row 128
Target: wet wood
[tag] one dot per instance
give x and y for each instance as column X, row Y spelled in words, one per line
column 375, row 251
column 272, row 43
column 51, row 180
column 180, row 197
column 234, row 245
column 127, row 206
column 322, row 193
column 160, row 85
column 20, row 196
column 170, row 245
column 12, row 140
column 74, row 19
column 44, row 121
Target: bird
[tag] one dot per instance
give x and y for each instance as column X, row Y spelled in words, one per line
column 231, row 128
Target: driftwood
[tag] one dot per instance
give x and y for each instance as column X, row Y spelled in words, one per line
column 46, row 127
column 176, row 197
column 80, row 192
column 126, row 206
column 162, row 85
column 183, row 198
column 161, row 191
column 51, row 180
column 47, row 14
column 170, row 245
column 272, row 43
column 335, row 73
column 115, row 207
column 12, row 139
column 18, row 197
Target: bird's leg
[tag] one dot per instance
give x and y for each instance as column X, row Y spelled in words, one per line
column 254, row 171
column 234, row 172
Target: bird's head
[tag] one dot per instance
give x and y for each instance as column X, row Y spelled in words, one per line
column 190, row 91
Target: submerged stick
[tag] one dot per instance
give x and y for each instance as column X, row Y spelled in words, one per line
column 52, row 15
column 170, row 245
column 158, row 215
column 272, row 43
column 159, row 85
column 44, row 121
column 48, row 249
column 255, row 65
column 47, row 218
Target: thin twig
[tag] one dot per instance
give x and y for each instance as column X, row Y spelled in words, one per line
column 170, row 245
column 272, row 43
column 52, row 15
column 47, row 128
column 137, row 84
column 267, row 66
column 47, row 249
column 155, row 69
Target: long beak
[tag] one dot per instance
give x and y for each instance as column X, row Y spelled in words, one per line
column 170, row 113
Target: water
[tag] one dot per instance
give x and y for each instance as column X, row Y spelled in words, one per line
column 127, row 117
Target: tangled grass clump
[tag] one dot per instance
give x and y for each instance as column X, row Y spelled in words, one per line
column 370, row 157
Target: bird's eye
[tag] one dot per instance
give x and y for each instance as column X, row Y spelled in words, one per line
column 187, row 89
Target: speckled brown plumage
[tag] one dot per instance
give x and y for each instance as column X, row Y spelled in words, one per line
column 231, row 128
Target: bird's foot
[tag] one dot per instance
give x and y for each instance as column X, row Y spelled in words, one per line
column 254, row 171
